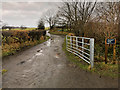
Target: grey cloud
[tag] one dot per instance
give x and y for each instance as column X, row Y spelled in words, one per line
column 32, row 0
column 59, row 0
column 27, row 6
column 16, row 13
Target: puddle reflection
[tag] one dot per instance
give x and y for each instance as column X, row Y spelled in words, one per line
column 47, row 33
column 49, row 42
column 38, row 54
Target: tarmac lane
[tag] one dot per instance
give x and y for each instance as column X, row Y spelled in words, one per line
column 46, row 66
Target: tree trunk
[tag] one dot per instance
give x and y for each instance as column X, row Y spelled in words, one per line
column 119, row 24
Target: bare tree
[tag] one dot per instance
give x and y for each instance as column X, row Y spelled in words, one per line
column 51, row 18
column 76, row 15
column 108, row 14
column 119, row 21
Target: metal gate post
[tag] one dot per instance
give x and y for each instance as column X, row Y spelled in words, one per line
column 76, row 42
column 70, row 42
column 92, row 52
column 66, row 41
column 82, row 45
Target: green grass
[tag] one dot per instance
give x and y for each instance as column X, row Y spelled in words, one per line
column 47, row 28
column 20, row 29
column 74, row 59
column 109, row 70
column 58, row 32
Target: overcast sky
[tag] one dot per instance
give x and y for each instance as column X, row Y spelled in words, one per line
column 26, row 13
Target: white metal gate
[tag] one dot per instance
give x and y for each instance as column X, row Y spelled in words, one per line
column 82, row 47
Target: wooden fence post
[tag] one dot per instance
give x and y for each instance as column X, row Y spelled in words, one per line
column 106, row 51
column 114, row 52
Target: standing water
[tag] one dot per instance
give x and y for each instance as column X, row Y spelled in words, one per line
column 47, row 33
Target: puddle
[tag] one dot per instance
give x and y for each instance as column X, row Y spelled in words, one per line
column 60, row 65
column 57, row 55
column 48, row 42
column 41, row 50
column 47, row 33
column 38, row 54
column 38, row 50
column 22, row 62
column 56, row 49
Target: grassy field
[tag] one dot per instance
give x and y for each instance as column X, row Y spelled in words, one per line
column 46, row 28
column 58, row 32
column 20, row 29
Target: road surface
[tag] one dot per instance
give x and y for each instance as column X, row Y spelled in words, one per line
column 46, row 66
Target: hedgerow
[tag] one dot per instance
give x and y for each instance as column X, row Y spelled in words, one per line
column 13, row 41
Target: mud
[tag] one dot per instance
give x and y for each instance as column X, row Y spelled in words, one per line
column 46, row 66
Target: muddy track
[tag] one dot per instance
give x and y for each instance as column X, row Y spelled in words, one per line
column 46, row 66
